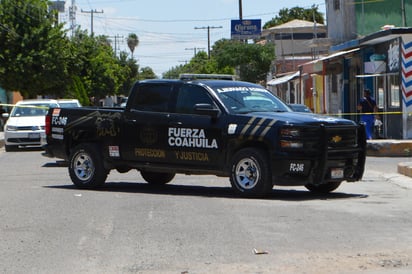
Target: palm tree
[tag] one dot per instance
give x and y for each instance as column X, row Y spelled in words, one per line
column 132, row 42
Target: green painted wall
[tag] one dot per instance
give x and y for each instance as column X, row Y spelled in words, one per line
column 371, row 15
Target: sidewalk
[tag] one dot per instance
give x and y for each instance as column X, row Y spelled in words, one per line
column 376, row 148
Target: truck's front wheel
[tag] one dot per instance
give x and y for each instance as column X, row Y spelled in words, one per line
column 86, row 166
column 251, row 175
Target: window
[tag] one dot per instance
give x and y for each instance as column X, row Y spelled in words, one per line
column 189, row 96
column 394, row 99
column 153, row 97
column 336, row 4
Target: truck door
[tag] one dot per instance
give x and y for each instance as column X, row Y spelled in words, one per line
column 195, row 139
column 146, row 121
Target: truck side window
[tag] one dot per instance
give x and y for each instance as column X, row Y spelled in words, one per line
column 153, row 97
column 189, row 96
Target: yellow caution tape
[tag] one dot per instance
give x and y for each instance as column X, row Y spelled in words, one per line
column 360, row 113
column 25, row 106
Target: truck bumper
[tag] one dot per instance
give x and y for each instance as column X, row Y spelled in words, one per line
column 328, row 164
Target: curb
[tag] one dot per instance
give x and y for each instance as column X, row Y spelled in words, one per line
column 389, row 148
column 405, row 168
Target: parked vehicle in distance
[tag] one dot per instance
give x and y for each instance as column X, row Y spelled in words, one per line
column 300, row 108
column 123, row 102
column 68, row 103
column 26, row 121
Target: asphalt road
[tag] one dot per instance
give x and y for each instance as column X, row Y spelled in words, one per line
column 197, row 225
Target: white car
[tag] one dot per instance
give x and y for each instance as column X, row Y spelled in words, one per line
column 68, row 103
column 26, row 121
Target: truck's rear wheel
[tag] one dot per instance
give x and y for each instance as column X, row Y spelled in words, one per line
column 157, row 178
column 251, row 175
column 323, row 188
column 86, row 166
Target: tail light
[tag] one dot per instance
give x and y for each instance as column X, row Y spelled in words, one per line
column 48, row 124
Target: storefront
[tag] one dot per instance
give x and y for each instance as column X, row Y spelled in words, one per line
column 387, row 71
column 382, row 62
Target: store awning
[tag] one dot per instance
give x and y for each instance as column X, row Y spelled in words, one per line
column 283, row 79
column 338, row 54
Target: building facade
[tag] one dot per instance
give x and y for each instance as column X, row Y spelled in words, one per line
column 296, row 43
column 372, row 50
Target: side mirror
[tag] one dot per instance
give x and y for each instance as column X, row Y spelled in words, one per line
column 207, row 109
column 5, row 115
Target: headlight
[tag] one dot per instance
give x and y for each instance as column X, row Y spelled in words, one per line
column 11, row 128
column 291, row 144
column 289, row 132
column 290, row 138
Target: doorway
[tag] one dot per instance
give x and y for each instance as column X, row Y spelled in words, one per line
column 387, row 95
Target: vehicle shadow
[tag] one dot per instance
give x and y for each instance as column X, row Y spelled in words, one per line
column 211, row 191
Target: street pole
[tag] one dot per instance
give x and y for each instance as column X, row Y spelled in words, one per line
column 403, row 13
column 194, row 49
column 208, row 36
column 240, row 10
column 91, row 13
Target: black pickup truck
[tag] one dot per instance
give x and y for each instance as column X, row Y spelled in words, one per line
column 225, row 128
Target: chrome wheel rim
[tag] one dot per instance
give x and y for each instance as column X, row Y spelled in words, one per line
column 247, row 173
column 83, row 167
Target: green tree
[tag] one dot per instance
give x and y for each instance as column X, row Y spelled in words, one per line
column 132, row 42
column 174, row 72
column 252, row 60
column 34, row 52
column 101, row 72
column 131, row 71
column 147, row 73
column 285, row 15
column 79, row 92
column 201, row 64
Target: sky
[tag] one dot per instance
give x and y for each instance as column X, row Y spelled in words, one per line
column 170, row 32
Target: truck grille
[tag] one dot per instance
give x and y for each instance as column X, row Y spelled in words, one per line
column 316, row 138
column 342, row 137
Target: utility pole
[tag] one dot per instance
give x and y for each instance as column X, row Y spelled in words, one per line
column 208, row 36
column 115, row 42
column 194, row 49
column 72, row 16
column 403, row 13
column 92, row 12
column 240, row 10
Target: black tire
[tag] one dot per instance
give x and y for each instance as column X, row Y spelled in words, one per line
column 86, row 166
column 251, row 175
column 323, row 188
column 157, row 178
column 9, row 148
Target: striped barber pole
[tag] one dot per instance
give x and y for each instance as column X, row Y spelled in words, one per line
column 407, row 74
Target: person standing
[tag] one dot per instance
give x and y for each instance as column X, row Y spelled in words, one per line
column 367, row 107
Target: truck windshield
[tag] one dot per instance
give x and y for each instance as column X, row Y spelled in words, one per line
column 250, row 99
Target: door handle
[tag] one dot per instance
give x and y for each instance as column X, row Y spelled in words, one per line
column 175, row 124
